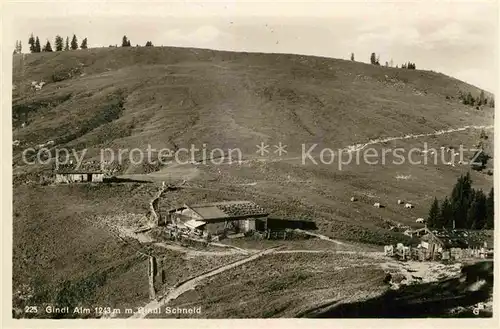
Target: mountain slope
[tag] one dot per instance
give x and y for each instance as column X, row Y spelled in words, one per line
column 125, row 98
column 131, row 97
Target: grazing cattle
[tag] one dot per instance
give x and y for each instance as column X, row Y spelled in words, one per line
column 353, row 199
column 400, row 201
column 420, row 220
column 408, row 205
column 377, row 205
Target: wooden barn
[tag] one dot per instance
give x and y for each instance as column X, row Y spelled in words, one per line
column 218, row 218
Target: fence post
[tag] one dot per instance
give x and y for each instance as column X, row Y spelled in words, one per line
column 151, row 275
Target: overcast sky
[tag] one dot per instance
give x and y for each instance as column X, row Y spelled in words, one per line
column 455, row 38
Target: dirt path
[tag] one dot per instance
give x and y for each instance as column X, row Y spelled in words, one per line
column 360, row 146
column 322, row 237
column 192, row 283
column 193, row 253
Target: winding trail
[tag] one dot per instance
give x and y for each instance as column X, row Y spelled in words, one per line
column 193, row 253
column 193, row 282
column 360, row 146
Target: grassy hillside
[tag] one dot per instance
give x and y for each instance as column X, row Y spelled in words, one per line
column 61, row 256
column 166, row 97
column 174, row 97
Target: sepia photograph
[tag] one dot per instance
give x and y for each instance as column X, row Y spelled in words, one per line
column 250, row 160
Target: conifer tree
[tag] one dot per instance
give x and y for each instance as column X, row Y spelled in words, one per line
column 74, row 43
column 66, row 45
column 445, row 214
column 433, row 217
column 47, row 47
column 31, row 42
column 460, row 200
column 125, row 41
column 490, row 211
column 84, row 44
column 37, row 45
column 59, row 43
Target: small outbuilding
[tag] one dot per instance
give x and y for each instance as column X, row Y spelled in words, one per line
column 79, row 177
column 457, row 243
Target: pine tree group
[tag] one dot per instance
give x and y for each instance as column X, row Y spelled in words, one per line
column 409, row 66
column 466, row 208
column 59, row 44
column 468, row 99
column 34, row 44
column 19, row 47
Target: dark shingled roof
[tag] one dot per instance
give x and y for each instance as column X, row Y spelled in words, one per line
column 89, row 167
column 464, row 238
column 228, row 209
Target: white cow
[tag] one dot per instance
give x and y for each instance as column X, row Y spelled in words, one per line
column 408, row 205
column 420, row 220
column 400, row 201
column 377, row 205
column 353, row 199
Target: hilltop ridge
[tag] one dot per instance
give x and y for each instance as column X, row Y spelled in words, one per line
column 166, row 97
